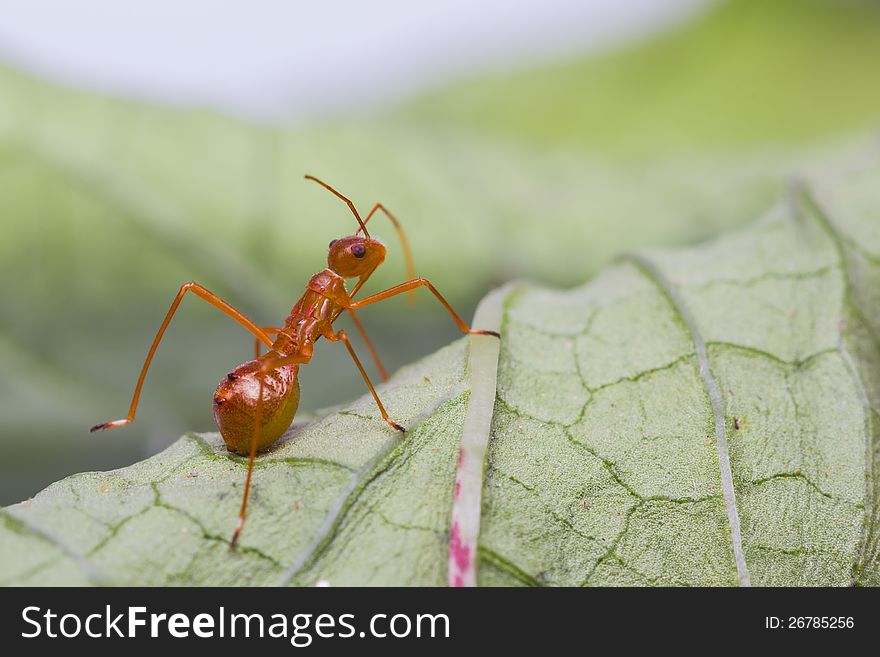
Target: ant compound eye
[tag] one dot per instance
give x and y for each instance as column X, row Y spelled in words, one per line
column 332, row 242
column 359, row 250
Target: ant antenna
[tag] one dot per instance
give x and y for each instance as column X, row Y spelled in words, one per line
column 404, row 243
column 353, row 209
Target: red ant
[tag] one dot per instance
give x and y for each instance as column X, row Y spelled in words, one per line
column 255, row 403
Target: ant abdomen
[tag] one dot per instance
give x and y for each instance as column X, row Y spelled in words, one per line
column 235, row 404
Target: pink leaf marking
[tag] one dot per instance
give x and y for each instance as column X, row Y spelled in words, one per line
column 465, row 517
column 460, row 552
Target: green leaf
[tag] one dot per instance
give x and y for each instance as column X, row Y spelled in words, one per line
column 108, row 205
column 701, row 416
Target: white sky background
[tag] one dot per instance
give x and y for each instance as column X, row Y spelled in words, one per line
column 272, row 58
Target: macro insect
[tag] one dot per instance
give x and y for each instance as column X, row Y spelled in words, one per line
column 256, row 402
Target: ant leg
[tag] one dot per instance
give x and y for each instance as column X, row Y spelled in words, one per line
column 211, row 298
column 341, row 336
column 373, row 353
column 412, row 285
column 266, row 367
column 268, row 330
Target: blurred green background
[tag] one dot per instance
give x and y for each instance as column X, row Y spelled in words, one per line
column 545, row 170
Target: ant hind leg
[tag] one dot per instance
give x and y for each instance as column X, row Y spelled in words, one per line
column 266, row 367
column 204, row 294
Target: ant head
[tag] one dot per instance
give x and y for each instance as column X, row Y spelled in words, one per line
column 355, row 256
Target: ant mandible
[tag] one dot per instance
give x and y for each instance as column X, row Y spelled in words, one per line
column 255, row 403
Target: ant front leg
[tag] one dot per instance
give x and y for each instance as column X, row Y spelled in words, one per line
column 341, row 336
column 413, row 285
column 211, row 298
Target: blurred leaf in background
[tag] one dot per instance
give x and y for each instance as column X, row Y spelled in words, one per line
column 109, row 205
column 749, row 74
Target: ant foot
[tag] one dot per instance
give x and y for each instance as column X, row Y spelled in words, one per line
column 108, row 425
column 238, row 525
column 395, row 425
column 492, row 333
